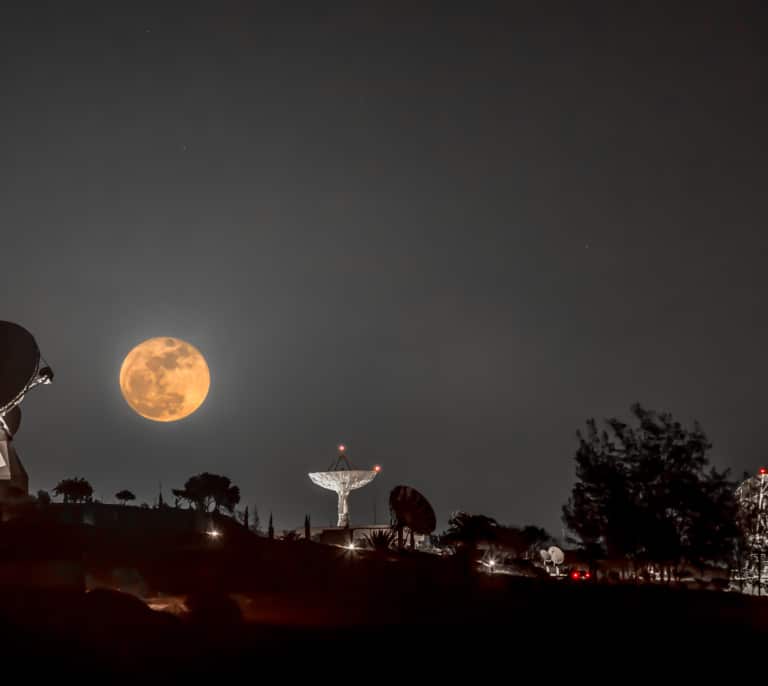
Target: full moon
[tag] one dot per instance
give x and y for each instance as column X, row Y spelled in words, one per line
column 164, row 379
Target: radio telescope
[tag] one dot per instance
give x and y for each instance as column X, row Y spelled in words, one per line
column 556, row 555
column 411, row 510
column 752, row 496
column 343, row 479
column 21, row 369
column 552, row 558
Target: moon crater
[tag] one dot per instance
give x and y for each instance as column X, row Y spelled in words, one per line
column 164, row 379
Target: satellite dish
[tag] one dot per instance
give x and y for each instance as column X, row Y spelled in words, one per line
column 556, row 555
column 545, row 556
column 19, row 363
column 13, row 421
column 343, row 479
column 411, row 509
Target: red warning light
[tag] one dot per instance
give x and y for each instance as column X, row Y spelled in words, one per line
column 377, row 468
column 587, row 575
column 574, row 575
column 763, row 470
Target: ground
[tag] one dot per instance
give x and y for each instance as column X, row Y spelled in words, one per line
column 240, row 600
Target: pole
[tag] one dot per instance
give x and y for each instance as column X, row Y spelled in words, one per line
column 758, row 534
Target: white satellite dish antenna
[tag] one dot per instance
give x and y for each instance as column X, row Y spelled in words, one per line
column 556, row 555
column 545, row 556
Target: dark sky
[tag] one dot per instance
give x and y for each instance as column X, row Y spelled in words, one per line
column 445, row 237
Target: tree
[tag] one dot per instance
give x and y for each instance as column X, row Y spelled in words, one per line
column 271, row 529
column 380, row 541
column 246, row 517
column 209, row 492
column 76, row 490
column 307, row 528
column 124, row 496
column 469, row 530
column 535, row 539
column 43, row 497
column 256, row 522
column 647, row 493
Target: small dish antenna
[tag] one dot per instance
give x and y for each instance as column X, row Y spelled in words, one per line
column 556, row 555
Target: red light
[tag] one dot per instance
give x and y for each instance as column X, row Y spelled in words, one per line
column 342, row 448
column 574, row 575
column 377, row 468
column 763, row 470
column 587, row 575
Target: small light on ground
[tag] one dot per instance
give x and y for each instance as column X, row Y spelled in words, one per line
column 213, row 533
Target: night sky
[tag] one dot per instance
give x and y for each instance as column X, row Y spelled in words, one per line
column 445, row 239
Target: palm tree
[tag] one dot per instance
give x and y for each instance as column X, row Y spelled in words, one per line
column 380, row 541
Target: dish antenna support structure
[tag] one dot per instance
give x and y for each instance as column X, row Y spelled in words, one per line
column 342, row 478
column 752, row 496
column 410, row 510
column 22, row 368
column 552, row 558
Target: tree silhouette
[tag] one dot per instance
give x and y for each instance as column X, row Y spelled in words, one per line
column 380, row 541
column 469, row 530
column 647, row 493
column 307, row 528
column 43, row 497
column 124, row 496
column 271, row 529
column 209, row 492
column 76, row 490
column 256, row 527
column 246, row 517
column 535, row 539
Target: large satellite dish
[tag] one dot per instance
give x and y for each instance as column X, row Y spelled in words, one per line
column 20, row 371
column 342, row 478
column 19, row 364
column 411, row 510
column 556, row 555
column 13, row 420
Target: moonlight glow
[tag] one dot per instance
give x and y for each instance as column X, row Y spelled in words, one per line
column 164, row 379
